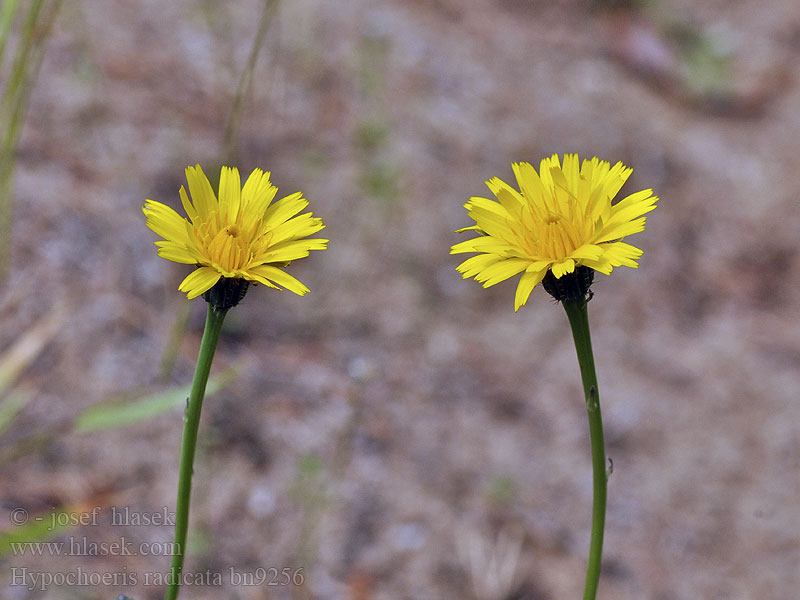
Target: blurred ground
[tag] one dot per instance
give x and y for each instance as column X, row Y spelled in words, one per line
column 400, row 433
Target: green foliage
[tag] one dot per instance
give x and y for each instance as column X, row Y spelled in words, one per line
column 706, row 68
column 10, row 407
column 111, row 415
column 379, row 177
column 371, row 134
column 501, row 489
column 379, row 181
column 34, row 529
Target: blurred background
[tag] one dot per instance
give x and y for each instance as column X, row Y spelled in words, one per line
column 400, row 433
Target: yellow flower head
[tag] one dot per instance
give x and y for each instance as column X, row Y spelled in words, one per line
column 561, row 218
column 241, row 235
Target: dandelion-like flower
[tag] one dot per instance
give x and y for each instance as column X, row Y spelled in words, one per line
column 241, row 235
column 561, row 219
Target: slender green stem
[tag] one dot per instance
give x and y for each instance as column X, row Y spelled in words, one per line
column 191, row 421
column 579, row 322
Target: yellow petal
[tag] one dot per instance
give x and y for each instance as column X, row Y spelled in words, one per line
column 281, row 278
column 284, row 209
column 501, row 270
column 620, row 254
column 176, row 253
column 619, row 231
column 202, row 195
column 530, row 278
column 590, row 251
column 165, row 221
column 486, row 244
column 475, row 264
column 187, row 206
column 298, row 227
column 563, row 267
column 529, row 183
column 199, row 281
column 292, row 250
column 230, row 193
column 491, row 222
column 258, row 192
column 509, row 198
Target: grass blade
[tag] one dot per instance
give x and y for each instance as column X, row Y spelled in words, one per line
column 115, row 414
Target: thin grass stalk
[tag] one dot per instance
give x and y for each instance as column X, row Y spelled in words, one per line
column 246, row 79
column 13, row 91
column 8, row 10
column 14, row 104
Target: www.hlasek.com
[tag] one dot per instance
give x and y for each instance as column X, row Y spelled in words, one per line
column 42, row 581
column 83, row 546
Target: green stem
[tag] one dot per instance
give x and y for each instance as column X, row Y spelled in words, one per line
column 191, row 421
column 579, row 322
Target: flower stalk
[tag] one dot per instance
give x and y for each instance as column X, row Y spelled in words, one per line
column 191, row 422
column 578, row 316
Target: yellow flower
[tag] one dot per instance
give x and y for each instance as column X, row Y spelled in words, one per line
column 242, row 235
column 561, row 218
